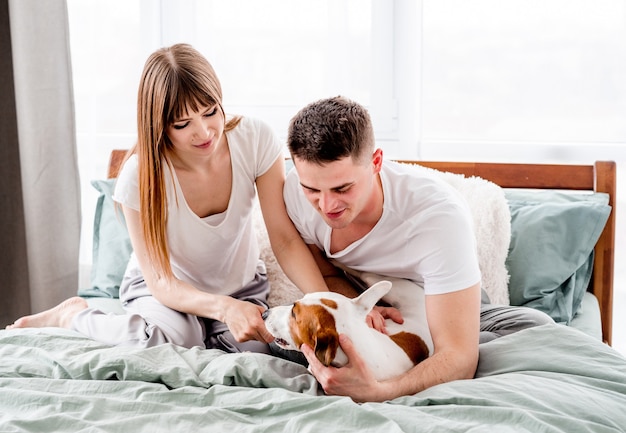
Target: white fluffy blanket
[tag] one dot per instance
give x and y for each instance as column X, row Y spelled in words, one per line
column 492, row 226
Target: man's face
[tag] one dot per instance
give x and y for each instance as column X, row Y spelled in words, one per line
column 341, row 191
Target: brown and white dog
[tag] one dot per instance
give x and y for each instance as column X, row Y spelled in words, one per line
column 318, row 318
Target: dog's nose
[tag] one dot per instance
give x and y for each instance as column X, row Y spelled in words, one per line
column 265, row 314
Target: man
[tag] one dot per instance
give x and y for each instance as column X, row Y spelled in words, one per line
column 393, row 220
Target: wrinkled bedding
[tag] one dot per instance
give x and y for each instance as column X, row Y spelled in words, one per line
column 547, row 379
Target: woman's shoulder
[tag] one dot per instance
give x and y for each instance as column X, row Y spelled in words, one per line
column 129, row 168
column 252, row 126
column 254, row 145
column 126, row 186
column 254, row 135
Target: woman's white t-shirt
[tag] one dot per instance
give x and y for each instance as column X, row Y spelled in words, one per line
column 218, row 254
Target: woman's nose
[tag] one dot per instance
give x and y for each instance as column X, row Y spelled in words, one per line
column 202, row 131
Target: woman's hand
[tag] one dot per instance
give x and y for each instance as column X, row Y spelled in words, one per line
column 245, row 322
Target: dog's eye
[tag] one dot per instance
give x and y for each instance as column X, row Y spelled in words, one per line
column 294, row 311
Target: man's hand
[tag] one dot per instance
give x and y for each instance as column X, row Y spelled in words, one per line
column 376, row 318
column 354, row 379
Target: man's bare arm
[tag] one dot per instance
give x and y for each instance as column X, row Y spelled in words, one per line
column 334, row 277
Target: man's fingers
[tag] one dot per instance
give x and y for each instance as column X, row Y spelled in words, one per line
column 391, row 313
column 314, row 363
column 376, row 321
column 348, row 347
column 396, row 316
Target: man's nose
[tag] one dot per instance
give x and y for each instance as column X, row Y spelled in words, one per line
column 326, row 202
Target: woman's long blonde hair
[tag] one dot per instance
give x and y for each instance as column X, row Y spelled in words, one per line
column 174, row 80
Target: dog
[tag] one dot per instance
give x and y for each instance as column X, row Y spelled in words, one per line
column 318, row 318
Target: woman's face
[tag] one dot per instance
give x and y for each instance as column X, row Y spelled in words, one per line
column 197, row 131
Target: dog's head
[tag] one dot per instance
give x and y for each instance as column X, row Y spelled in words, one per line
column 318, row 318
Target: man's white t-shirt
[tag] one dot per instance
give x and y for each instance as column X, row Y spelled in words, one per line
column 425, row 233
column 217, row 254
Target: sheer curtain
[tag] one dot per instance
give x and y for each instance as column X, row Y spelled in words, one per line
column 40, row 191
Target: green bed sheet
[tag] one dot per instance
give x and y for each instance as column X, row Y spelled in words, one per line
column 547, row 379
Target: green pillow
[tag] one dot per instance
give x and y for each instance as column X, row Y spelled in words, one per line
column 111, row 245
column 550, row 256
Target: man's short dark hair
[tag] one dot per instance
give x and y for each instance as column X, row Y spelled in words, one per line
column 330, row 129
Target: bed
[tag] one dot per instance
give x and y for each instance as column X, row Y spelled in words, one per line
column 554, row 378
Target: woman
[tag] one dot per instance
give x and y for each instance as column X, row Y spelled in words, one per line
column 187, row 191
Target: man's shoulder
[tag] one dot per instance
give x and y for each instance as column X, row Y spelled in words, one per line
column 403, row 169
column 411, row 179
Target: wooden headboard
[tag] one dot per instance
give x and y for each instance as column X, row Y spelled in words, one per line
column 599, row 177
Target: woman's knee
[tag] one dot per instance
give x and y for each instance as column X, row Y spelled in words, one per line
column 185, row 331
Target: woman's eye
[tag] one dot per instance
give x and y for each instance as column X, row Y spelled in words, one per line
column 180, row 126
column 211, row 112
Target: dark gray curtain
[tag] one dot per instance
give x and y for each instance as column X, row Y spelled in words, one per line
column 40, row 189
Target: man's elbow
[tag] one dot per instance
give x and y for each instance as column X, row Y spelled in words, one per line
column 469, row 364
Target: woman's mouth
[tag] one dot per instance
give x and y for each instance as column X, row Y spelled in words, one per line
column 204, row 145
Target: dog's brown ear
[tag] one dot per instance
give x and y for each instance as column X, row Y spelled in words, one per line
column 316, row 327
column 326, row 343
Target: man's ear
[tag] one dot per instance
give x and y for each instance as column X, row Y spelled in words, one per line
column 326, row 345
column 377, row 160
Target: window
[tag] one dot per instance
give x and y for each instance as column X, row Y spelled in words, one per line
column 274, row 57
column 523, row 79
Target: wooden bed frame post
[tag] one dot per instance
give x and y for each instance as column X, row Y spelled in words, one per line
column 605, row 181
